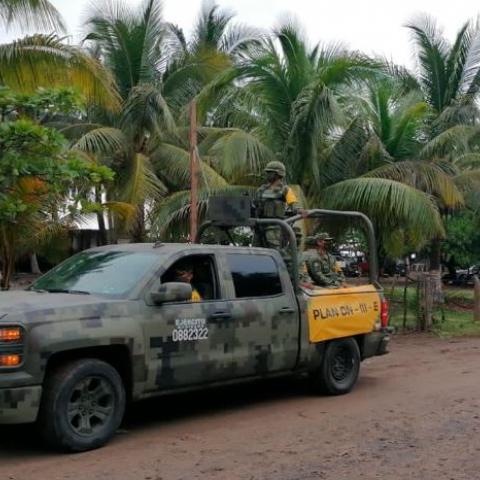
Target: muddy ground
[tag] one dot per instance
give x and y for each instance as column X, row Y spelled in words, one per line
column 415, row 414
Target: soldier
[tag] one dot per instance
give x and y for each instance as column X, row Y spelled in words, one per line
column 183, row 272
column 303, row 276
column 273, row 200
column 321, row 265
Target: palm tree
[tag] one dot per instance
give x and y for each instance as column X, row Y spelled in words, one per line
column 382, row 153
column 449, row 77
column 295, row 99
column 215, row 45
column 158, row 76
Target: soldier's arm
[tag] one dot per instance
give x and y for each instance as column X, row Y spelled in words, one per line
column 315, row 271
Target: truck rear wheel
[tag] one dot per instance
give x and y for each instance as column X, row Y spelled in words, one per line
column 340, row 367
column 82, row 406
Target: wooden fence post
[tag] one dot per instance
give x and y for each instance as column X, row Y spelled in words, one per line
column 476, row 299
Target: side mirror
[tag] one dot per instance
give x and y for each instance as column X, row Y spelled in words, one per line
column 172, row 292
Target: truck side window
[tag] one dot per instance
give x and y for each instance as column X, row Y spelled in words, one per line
column 204, row 278
column 254, row 275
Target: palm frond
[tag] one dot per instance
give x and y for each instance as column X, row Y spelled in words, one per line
column 429, row 178
column 388, row 202
column 123, row 210
column 102, row 140
column 44, row 60
column 31, row 14
column 147, row 110
column 237, row 152
column 432, row 55
column 172, row 163
column 456, row 139
column 141, row 183
column 468, row 181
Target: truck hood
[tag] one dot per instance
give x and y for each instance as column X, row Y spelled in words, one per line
column 29, row 303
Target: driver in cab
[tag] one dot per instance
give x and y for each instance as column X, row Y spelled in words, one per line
column 183, row 272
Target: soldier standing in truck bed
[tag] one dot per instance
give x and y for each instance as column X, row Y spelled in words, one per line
column 274, row 199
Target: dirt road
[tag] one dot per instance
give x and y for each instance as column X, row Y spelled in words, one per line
column 415, row 414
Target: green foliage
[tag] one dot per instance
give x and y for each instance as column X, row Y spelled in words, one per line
column 38, row 176
column 41, row 105
column 45, row 60
column 462, row 245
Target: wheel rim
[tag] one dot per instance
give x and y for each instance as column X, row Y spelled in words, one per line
column 91, row 405
column 342, row 364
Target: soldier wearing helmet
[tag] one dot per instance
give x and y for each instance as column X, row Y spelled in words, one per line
column 320, row 264
column 274, row 199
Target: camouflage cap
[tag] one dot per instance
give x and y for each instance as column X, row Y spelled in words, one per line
column 313, row 239
column 276, row 167
column 323, row 236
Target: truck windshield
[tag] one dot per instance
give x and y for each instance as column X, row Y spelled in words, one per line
column 111, row 273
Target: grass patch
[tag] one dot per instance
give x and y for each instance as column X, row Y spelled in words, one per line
column 453, row 320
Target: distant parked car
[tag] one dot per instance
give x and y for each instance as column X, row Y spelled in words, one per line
column 462, row 277
column 352, row 269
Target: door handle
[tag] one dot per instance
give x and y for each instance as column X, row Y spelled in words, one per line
column 286, row 310
column 220, row 316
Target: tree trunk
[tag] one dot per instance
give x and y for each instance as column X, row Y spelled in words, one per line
column 138, row 232
column 427, row 293
column 34, row 267
column 436, row 254
column 436, row 270
column 102, row 230
column 112, row 232
column 8, row 261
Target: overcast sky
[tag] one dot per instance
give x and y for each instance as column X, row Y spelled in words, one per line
column 373, row 26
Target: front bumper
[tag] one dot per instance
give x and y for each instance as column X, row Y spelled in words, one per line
column 19, row 405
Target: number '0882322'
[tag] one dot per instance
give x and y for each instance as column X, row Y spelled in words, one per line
column 189, row 334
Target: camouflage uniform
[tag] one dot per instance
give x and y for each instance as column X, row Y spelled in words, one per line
column 321, row 268
column 272, row 201
column 303, row 276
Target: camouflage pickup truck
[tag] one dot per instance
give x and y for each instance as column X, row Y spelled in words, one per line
column 113, row 324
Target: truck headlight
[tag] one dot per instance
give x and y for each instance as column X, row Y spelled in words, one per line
column 11, row 335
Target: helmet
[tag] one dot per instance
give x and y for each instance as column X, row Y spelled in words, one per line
column 276, row 167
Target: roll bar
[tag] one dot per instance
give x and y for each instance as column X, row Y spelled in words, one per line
column 372, row 243
column 286, row 226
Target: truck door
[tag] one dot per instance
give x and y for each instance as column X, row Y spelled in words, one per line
column 190, row 342
column 265, row 314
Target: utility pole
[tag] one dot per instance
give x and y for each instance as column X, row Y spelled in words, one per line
column 193, row 172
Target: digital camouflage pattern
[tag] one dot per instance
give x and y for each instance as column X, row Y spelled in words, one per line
column 321, row 269
column 262, row 341
column 177, row 345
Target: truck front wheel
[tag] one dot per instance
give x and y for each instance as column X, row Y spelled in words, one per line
column 82, row 406
column 340, row 367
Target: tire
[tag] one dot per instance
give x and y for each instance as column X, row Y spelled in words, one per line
column 82, row 406
column 340, row 367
